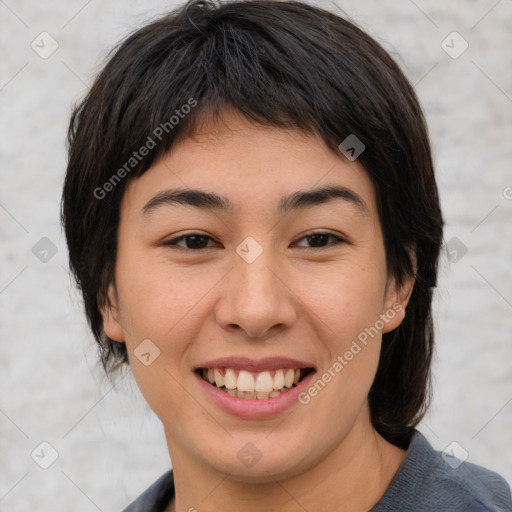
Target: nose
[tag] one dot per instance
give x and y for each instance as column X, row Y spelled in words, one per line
column 255, row 298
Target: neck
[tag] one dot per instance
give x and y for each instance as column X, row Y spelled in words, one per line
column 355, row 475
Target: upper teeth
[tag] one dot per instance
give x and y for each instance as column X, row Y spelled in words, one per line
column 262, row 382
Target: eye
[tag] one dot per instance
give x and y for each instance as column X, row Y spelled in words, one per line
column 198, row 241
column 192, row 241
column 320, row 240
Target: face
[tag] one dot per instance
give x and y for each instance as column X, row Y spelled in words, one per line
column 263, row 283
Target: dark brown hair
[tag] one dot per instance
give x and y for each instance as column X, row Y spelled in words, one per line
column 285, row 64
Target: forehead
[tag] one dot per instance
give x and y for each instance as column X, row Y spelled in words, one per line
column 245, row 165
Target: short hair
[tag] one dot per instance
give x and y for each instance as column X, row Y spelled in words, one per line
column 284, row 64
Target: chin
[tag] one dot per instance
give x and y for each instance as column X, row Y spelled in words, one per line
column 243, row 461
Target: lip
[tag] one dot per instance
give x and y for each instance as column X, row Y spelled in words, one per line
column 254, row 409
column 260, row 365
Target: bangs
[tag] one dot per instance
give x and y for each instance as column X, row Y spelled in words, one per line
column 272, row 71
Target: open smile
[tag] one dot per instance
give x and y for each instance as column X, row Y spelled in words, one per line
column 254, row 385
column 254, row 389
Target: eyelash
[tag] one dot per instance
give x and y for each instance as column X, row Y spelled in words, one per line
column 174, row 241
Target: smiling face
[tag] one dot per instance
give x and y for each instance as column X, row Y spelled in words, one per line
column 262, row 276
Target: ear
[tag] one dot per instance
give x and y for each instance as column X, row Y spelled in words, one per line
column 111, row 317
column 397, row 297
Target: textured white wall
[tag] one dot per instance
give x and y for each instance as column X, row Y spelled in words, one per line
column 110, row 446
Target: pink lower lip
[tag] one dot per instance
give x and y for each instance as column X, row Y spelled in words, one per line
column 254, row 409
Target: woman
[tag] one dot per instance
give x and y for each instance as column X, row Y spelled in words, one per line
column 253, row 220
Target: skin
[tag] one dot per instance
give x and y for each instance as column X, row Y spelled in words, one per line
column 294, row 300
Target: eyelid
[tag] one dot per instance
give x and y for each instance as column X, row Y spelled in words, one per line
column 340, row 240
column 173, row 241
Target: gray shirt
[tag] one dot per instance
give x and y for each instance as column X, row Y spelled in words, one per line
column 425, row 482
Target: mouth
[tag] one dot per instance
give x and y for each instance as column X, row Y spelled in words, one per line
column 251, row 385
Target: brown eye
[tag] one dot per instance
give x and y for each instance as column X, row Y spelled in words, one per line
column 320, row 240
column 193, row 241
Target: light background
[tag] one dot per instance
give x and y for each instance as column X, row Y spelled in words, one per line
column 110, row 445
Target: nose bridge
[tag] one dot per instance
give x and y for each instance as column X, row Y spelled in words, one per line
column 256, row 299
column 257, row 281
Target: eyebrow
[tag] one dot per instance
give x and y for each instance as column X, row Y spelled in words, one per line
column 295, row 201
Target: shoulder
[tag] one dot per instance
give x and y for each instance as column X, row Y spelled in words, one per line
column 431, row 480
column 479, row 488
column 156, row 497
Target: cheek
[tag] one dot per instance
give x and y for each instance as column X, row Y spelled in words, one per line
column 347, row 300
column 158, row 302
column 169, row 308
column 165, row 309
column 347, row 306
